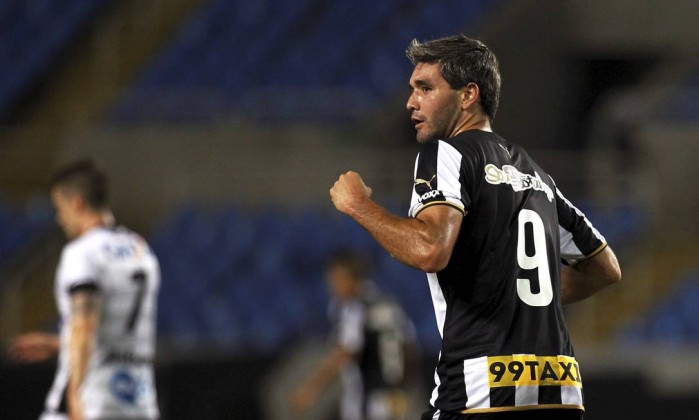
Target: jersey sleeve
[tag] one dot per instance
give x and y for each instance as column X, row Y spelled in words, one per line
column 350, row 331
column 579, row 239
column 77, row 269
column 437, row 178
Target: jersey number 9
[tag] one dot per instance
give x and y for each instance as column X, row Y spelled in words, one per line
column 538, row 260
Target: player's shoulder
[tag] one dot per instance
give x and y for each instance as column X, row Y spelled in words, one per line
column 477, row 143
column 84, row 243
column 100, row 239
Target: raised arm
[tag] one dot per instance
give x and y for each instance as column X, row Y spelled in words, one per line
column 84, row 322
column 589, row 276
column 424, row 242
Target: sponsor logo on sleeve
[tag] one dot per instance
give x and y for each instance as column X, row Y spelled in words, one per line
column 434, row 195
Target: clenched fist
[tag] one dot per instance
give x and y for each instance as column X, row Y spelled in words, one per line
column 348, row 191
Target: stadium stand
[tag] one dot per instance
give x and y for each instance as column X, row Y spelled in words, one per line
column 19, row 225
column 33, row 33
column 236, row 56
column 683, row 104
column 621, row 224
column 255, row 280
column 670, row 321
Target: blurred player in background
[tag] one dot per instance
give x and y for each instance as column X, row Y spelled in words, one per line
column 371, row 341
column 106, row 289
column 489, row 226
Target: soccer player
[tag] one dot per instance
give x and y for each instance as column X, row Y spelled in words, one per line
column 489, row 227
column 106, row 289
column 371, row 337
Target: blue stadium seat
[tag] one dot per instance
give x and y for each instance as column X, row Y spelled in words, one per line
column 242, row 49
column 20, row 224
column 672, row 322
column 32, row 36
column 256, row 280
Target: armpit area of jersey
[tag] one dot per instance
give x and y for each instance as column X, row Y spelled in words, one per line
column 586, row 257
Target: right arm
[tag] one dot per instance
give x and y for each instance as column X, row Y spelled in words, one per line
column 424, row 242
column 589, row 276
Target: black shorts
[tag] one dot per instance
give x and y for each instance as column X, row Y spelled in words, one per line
column 541, row 414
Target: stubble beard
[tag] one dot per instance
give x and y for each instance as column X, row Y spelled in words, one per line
column 429, row 133
column 440, row 125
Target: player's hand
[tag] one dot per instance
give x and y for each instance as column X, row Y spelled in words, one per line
column 348, row 190
column 33, row 347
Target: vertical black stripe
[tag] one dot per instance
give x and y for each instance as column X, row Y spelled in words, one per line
column 550, row 394
column 503, row 396
column 63, row 405
column 427, row 168
column 442, row 396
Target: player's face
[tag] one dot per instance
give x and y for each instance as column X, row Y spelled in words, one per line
column 435, row 108
column 342, row 285
column 67, row 214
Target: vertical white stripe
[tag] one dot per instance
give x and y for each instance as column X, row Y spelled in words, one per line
column 571, row 395
column 440, row 304
column 437, row 383
column 449, row 173
column 476, row 381
column 527, row 395
column 352, row 398
column 436, row 415
column 60, row 382
column 414, row 198
column 448, row 169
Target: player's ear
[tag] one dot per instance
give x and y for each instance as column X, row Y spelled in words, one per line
column 470, row 94
column 77, row 202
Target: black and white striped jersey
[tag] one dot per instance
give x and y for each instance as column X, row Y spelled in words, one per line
column 373, row 328
column 505, row 345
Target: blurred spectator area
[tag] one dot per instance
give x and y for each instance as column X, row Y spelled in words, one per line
column 307, row 59
column 19, row 225
column 255, row 280
column 670, row 321
column 33, row 35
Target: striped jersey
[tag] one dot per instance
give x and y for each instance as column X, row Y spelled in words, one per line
column 375, row 330
column 119, row 382
column 505, row 345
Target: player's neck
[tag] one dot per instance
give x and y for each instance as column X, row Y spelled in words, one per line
column 473, row 122
column 89, row 222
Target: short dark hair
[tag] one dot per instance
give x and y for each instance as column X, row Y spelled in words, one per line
column 86, row 179
column 355, row 263
column 462, row 60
